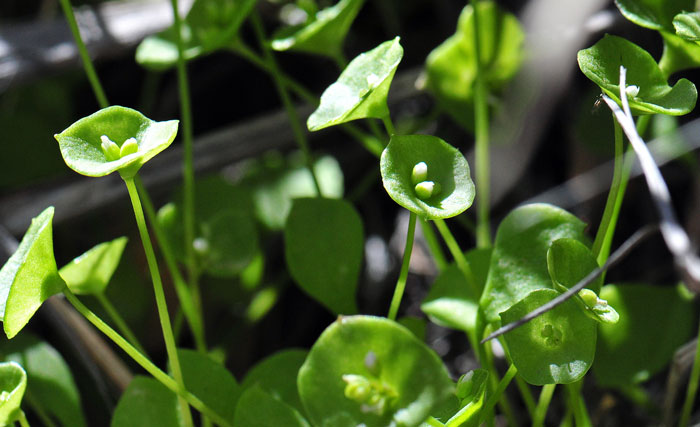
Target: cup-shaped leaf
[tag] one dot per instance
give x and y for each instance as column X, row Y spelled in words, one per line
column 601, row 63
column 452, row 67
column 146, row 402
column 407, row 380
column 324, row 248
column 90, row 272
column 554, row 348
column 361, row 90
column 654, row 14
column 519, row 259
column 687, row 25
column 569, row 261
column 257, row 408
column 654, row 322
column 323, row 34
column 49, row 379
column 13, row 383
column 81, row 142
column 30, row 276
column 446, row 167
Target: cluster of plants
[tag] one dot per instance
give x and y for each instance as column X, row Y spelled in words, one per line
column 364, row 370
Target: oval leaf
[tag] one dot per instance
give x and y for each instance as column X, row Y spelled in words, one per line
column 687, row 25
column 654, row 14
column 13, row 383
column 407, row 380
column 30, row 276
column 256, row 408
column 90, row 272
column 446, row 167
column 601, row 63
column 277, row 376
column 231, row 241
column 569, row 261
column 519, row 259
column 324, row 248
column 81, row 142
column 361, row 90
column 146, row 403
column 324, row 34
column 554, row 348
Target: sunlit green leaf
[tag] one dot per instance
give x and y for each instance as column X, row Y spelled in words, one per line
column 687, row 25
column 90, row 272
column 678, row 54
column 257, row 408
column 654, row 14
column 471, row 390
column 146, row 403
column 81, row 142
column 277, row 376
column 601, row 63
column 30, row 276
column 13, row 383
column 361, row 90
column 569, row 261
column 324, row 244
column 371, row 371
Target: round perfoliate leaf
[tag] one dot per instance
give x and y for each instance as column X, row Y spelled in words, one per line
column 81, row 143
column 361, row 90
column 90, row 272
column 407, row 380
column 601, row 63
column 13, row 383
column 30, row 276
column 554, row 348
column 324, row 247
column 446, row 166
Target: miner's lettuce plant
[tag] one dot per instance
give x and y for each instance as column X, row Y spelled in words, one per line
column 363, row 369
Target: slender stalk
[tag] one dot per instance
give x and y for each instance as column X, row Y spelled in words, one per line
column 496, row 396
column 692, row 389
column 403, row 275
column 481, row 142
column 299, row 133
column 577, row 405
column 189, row 301
column 143, row 361
column 526, row 394
column 389, row 125
column 119, row 321
column 84, row 56
column 160, row 295
column 433, row 244
column 432, row 422
column 543, row 404
column 22, row 419
column 458, row 256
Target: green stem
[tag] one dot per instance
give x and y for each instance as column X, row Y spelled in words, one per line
column 190, row 302
column 458, row 256
column 403, row 275
column 143, row 361
column 433, row 244
column 692, row 389
column 496, row 396
column 119, row 321
column 159, row 294
column 526, row 394
column 578, row 405
column 432, row 422
column 543, row 404
column 22, row 419
column 294, row 121
column 84, row 56
column 389, row 125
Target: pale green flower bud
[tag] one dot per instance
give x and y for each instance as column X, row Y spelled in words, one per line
column 109, row 148
column 130, row 146
column 427, row 189
column 420, row 173
column 589, row 297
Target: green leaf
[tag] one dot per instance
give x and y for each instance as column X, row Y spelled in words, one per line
column 210, row 25
column 276, row 375
column 49, row 379
column 324, row 245
column 30, row 276
column 230, row 241
column 90, row 272
column 447, row 168
column 81, row 142
column 323, row 34
column 416, row 325
column 687, row 25
column 569, row 261
column 146, row 403
column 256, row 408
column 554, row 348
column 654, row 322
column 361, row 90
column 212, row 383
column 13, row 382
column 407, row 380
column 452, row 67
column 519, row 259
column 450, row 301
column 654, row 14
column 678, row 54
column 601, row 63
column 471, row 390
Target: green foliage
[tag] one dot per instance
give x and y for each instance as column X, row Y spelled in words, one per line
column 324, row 245
column 654, row 14
column 13, row 383
column 687, row 25
column 601, row 63
column 81, row 143
column 446, row 166
column 361, row 90
column 30, row 276
column 90, row 272
column 146, row 403
column 554, row 348
column 471, row 391
column 322, row 33
column 406, row 380
column 257, row 408
column 452, row 67
column 569, row 261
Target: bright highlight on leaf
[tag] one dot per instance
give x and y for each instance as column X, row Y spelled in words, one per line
column 361, row 90
column 90, row 272
column 88, row 145
column 450, row 190
column 13, row 383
